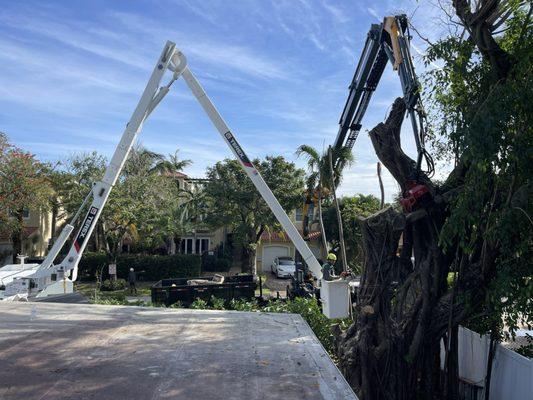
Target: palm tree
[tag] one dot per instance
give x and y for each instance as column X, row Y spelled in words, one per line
column 319, row 180
column 147, row 162
column 172, row 164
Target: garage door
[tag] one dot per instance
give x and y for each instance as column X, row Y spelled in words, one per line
column 270, row 253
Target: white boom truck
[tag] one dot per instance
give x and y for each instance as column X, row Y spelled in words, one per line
column 48, row 279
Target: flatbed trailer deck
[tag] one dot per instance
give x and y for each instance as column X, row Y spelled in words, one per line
column 78, row 351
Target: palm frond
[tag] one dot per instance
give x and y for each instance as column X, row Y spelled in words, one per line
column 312, row 155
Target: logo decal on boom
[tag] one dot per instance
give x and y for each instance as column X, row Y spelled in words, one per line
column 85, row 228
column 237, row 147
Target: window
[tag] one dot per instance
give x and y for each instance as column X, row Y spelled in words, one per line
column 203, row 244
column 285, row 262
column 311, row 212
column 194, row 246
column 186, row 246
column 26, row 213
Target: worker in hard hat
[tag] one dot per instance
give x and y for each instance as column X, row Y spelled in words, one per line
column 328, row 269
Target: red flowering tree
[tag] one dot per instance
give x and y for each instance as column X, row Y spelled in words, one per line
column 23, row 186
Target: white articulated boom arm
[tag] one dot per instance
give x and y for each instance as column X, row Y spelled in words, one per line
column 176, row 62
column 151, row 96
column 179, row 66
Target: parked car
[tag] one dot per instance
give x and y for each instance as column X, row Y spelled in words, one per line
column 283, row 267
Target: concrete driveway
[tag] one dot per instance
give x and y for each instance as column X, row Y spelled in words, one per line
column 277, row 285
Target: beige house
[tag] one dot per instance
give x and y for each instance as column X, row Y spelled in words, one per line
column 272, row 244
column 37, row 233
column 200, row 239
column 278, row 244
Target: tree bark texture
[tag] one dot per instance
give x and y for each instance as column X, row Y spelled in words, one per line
column 404, row 307
column 392, row 349
column 17, row 236
column 325, row 248
column 248, row 264
column 381, row 188
column 338, row 210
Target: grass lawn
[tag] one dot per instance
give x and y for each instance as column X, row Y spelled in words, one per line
column 88, row 289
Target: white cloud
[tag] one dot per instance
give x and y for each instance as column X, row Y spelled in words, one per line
column 213, row 52
column 337, row 13
column 278, row 72
column 374, row 13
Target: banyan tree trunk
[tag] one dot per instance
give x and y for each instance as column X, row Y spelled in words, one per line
column 391, row 351
column 365, row 348
column 405, row 309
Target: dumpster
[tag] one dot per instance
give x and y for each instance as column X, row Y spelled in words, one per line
column 186, row 290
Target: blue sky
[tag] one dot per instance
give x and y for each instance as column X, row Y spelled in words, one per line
column 71, row 73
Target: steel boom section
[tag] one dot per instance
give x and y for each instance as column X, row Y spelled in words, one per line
column 251, row 171
column 102, row 189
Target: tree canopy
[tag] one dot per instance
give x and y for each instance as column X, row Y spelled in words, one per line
column 352, row 208
column 23, row 186
column 236, row 203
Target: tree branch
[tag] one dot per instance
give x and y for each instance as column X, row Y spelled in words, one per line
column 387, row 143
column 480, row 31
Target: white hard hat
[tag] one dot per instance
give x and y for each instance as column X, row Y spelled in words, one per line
column 131, row 269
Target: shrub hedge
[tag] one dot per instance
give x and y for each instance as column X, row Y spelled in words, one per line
column 148, row 267
column 215, row 264
column 91, row 264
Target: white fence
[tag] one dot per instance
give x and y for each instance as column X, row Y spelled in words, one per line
column 512, row 374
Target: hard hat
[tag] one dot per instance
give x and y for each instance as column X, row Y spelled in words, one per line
column 332, row 257
column 131, row 269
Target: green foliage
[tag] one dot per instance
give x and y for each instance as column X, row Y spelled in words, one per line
column 527, row 349
column 91, row 264
column 177, row 304
column 215, row 264
column 351, row 208
column 319, row 171
column 150, row 267
column 321, row 179
column 243, row 305
column 236, row 203
column 484, row 123
column 154, row 268
column 169, row 165
column 110, row 302
column 217, row 303
column 142, row 204
column 199, row 304
column 24, row 185
column 146, row 202
column 76, row 180
column 112, row 285
column 450, row 279
column 111, row 299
